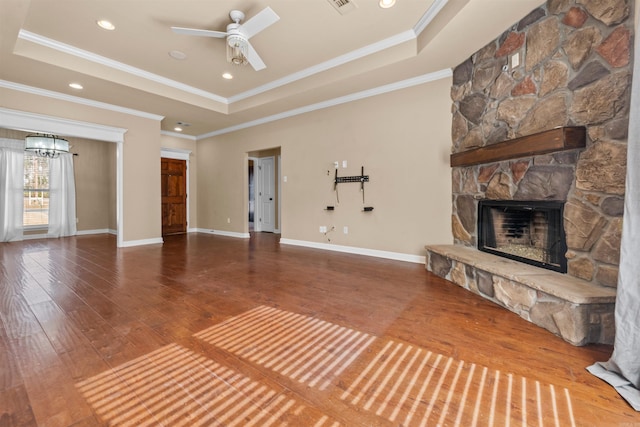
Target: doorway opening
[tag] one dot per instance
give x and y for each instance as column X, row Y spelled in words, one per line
column 263, row 204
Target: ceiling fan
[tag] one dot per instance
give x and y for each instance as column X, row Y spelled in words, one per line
column 239, row 50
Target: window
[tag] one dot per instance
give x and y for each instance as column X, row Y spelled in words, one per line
column 36, row 191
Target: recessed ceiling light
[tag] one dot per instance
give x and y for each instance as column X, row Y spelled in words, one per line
column 77, row 86
column 107, row 25
column 176, row 54
column 386, row 4
column 227, row 76
column 177, row 129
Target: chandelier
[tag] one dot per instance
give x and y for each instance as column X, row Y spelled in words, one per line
column 46, row 145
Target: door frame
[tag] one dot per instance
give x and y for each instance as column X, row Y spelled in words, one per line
column 255, row 188
column 279, row 207
column 179, row 154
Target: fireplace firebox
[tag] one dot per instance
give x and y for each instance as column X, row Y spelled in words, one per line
column 526, row 231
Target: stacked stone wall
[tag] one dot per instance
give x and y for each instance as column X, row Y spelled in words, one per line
column 575, row 70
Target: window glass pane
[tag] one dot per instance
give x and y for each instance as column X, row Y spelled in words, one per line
column 36, row 190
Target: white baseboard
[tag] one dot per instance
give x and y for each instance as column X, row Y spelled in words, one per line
column 417, row 259
column 34, row 236
column 130, row 243
column 96, row 231
column 222, row 233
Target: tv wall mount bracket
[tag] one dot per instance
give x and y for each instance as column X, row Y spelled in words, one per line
column 362, row 178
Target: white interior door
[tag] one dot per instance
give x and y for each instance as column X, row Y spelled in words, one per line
column 266, row 194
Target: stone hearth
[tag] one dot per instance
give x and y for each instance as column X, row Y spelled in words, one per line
column 574, row 309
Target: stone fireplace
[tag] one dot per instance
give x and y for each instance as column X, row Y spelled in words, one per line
column 514, row 139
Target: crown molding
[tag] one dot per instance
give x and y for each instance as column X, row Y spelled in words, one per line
column 371, row 49
column 403, row 84
column 77, row 100
column 387, row 43
column 327, row 65
column 116, row 65
column 429, row 15
column 178, row 135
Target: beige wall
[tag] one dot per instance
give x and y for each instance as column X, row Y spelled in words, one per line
column 12, row 134
column 172, row 142
column 401, row 138
column 95, row 174
column 141, row 156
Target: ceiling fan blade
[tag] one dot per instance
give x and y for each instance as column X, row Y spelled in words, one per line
column 201, row 33
column 254, row 59
column 259, row 22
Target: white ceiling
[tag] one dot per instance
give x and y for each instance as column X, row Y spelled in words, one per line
column 313, row 53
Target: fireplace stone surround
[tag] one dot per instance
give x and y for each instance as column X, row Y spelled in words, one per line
column 573, row 68
column 573, row 308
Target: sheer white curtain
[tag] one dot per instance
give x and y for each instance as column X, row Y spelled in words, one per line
column 62, row 196
column 11, row 189
column 622, row 370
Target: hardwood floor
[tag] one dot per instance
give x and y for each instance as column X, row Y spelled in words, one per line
column 208, row 330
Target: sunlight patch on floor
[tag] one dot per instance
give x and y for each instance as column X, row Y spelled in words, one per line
column 174, row 386
column 398, row 382
column 303, row 348
column 413, row 386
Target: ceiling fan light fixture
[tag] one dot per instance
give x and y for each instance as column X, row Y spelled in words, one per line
column 237, row 49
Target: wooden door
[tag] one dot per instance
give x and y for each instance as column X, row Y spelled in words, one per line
column 174, row 196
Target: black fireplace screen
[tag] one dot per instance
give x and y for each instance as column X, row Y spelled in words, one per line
column 531, row 232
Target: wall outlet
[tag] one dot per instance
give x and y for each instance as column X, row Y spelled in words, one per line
column 345, row 229
column 344, row 164
column 323, row 228
column 515, row 60
column 228, row 220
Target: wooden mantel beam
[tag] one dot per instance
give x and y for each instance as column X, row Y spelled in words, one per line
column 558, row 139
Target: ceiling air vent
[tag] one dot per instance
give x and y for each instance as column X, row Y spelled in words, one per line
column 343, row 6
